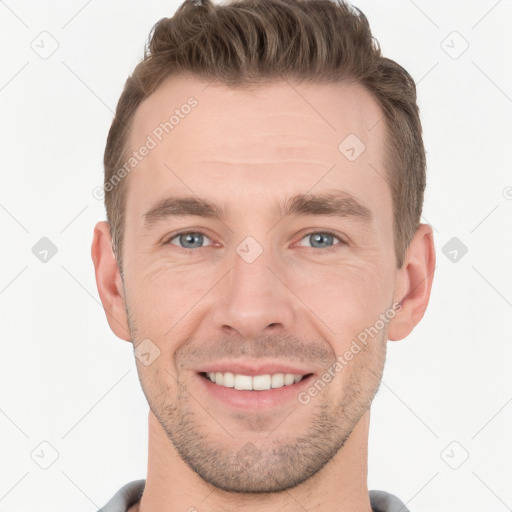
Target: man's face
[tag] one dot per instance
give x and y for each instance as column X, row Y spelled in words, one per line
column 258, row 292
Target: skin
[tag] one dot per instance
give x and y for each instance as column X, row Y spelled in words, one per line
column 298, row 302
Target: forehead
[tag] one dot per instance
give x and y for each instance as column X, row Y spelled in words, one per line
column 311, row 114
column 212, row 140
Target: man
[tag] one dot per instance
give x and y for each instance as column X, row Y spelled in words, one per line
column 264, row 180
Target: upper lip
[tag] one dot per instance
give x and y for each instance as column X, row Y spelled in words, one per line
column 253, row 369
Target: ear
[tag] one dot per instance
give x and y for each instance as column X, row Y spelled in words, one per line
column 108, row 280
column 414, row 282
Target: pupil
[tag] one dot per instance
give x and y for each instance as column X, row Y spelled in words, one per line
column 189, row 238
column 321, row 238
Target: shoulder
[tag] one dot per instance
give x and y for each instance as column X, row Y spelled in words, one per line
column 382, row 501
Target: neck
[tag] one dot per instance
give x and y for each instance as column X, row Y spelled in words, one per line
column 340, row 485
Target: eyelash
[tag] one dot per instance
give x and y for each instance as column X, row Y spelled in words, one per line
column 199, row 232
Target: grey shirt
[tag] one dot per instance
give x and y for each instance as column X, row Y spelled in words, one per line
column 381, row 501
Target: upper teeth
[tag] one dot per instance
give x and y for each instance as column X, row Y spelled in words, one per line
column 258, row 382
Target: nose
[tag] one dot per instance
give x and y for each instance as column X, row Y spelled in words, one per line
column 252, row 298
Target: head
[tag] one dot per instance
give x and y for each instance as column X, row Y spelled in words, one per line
column 273, row 218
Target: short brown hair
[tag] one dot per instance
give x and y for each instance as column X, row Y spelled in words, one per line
column 248, row 42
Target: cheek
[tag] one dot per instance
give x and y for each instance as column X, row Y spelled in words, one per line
column 346, row 298
column 163, row 296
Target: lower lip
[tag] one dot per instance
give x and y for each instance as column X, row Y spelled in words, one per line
column 256, row 399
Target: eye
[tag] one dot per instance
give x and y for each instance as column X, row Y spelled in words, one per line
column 322, row 239
column 189, row 240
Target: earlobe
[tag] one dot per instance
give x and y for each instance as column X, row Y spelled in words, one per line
column 414, row 283
column 108, row 280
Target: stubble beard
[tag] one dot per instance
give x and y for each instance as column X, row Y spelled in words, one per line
column 276, row 463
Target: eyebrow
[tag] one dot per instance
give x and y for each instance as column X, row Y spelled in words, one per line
column 333, row 204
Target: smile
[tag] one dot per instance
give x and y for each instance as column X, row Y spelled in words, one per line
column 253, row 383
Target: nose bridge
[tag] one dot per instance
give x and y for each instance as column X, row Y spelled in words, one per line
column 252, row 297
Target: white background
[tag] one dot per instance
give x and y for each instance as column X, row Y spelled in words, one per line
column 66, row 380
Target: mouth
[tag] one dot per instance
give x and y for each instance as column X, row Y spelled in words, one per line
column 262, row 382
column 252, row 393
